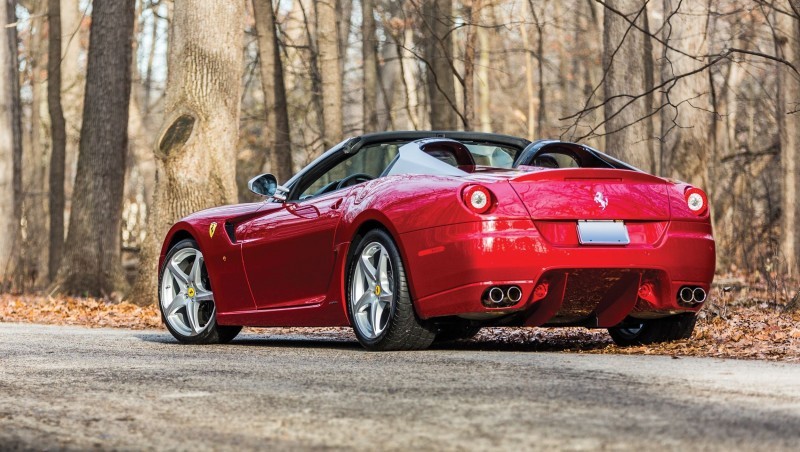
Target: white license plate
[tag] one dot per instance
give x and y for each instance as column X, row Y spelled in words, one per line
column 603, row 233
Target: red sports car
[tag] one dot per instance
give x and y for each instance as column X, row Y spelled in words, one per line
column 412, row 237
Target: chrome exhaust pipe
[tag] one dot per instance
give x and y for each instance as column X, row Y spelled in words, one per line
column 686, row 294
column 699, row 295
column 496, row 295
column 514, row 294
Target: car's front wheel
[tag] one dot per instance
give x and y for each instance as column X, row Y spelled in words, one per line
column 643, row 332
column 378, row 298
column 186, row 300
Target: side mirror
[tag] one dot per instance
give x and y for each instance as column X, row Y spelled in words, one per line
column 263, row 185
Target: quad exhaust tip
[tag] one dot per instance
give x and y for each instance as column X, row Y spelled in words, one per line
column 496, row 295
column 502, row 296
column 699, row 295
column 692, row 295
column 514, row 294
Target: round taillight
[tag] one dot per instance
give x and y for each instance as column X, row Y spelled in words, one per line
column 696, row 200
column 478, row 199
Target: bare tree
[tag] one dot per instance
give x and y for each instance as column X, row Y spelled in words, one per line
column 789, row 126
column 11, row 269
column 626, row 61
column 58, row 137
column 369, row 54
column 34, row 251
column 330, row 72
column 278, row 135
column 8, row 223
column 438, row 21
column 686, row 118
column 91, row 262
column 201, row 124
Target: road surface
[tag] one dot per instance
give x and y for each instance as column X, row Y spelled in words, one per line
column 76, row 388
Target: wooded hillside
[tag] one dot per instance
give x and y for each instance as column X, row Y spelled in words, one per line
column 99, row 100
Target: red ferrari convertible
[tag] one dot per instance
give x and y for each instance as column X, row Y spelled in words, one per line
column 412, row 237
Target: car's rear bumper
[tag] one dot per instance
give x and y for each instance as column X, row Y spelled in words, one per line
column 451, row 268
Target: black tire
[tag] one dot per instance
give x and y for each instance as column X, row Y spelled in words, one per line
column 403, row 330
column 667, row 329
column 213, row 333
column 455, row 331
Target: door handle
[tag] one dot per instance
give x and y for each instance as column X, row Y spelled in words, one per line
column 336, row 204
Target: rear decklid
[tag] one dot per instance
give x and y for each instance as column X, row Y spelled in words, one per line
column 593, row 194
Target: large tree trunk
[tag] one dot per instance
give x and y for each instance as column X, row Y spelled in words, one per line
column 626, row 58
column 8, row 224
column 201, row 125
column 438, row 47
column 686, row 118
column 73, row 82
column 370, row 57
column 16, row 114
column 472, row 12
column 34, row 250
column 277, row 135
column 789, row 125
column 58, row 139
column 330, row 73
column 91, row 263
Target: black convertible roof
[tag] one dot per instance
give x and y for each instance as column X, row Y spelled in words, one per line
column 356, row 143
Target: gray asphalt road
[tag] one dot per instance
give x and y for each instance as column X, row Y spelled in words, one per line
column 74, row 388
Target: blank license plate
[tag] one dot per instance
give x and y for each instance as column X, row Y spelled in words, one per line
column 603, row 233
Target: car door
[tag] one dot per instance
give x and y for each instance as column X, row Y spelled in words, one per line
column 288, row 253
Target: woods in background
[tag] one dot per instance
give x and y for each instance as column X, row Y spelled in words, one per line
column 119, row 117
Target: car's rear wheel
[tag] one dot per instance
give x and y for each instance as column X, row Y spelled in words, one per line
column 186, row 300
column 643, row 332
column 378, row 300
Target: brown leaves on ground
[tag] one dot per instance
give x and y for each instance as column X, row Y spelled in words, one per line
column 76, row 311
column 750, row 322
column 746, row 333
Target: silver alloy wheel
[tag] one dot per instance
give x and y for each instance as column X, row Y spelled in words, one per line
column 186, row 298
column 372, row 290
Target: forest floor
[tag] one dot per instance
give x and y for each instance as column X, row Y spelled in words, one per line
column 744, row 318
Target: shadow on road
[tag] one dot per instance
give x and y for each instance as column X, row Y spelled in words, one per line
column 559, row 343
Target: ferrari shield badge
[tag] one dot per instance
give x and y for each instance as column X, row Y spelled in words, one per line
column 211, row 229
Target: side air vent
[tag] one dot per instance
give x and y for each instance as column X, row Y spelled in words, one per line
column 230, row 229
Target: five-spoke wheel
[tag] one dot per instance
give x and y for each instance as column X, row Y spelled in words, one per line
column 186, row 299
column 379, row 303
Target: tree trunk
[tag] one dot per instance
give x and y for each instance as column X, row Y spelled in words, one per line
column 542, row 102
column 16, row 111
column 273, row 84
column 438, row 47
column 407, row 61
column 370, row 57
column 330, row 74
column 34, row 250
column 529, row 84
column 58, row 137
column 789, row 125
column 686, row 117
column 91, row 263
column 201, row 125
column 472, row 11
column 625, row 59
column 484, row 92
column 16, row 114
column 8, row 226
column 73, row 82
